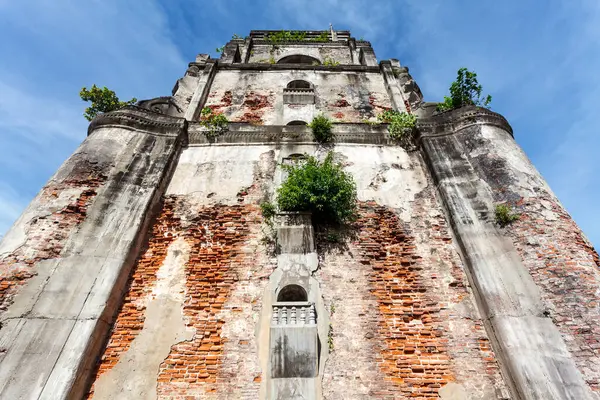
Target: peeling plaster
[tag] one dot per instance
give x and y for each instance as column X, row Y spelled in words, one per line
column 137, row 369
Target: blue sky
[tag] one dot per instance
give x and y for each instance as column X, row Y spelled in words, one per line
column 539, row 60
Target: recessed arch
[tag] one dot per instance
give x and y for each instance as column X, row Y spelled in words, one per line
column 297, row 122
column 292, row 293
column 299, row 59
column 299, row 84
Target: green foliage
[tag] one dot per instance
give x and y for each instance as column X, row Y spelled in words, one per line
column 235, row 36
column 217, row 124
column 220, row 49
column 285, row 36
column 401, row 124
column 323, row 188
column 330, row 62
column 103, row 100
column 322, row 129
column 505, row 215
column 268, row 210
column 323, row 37
column 271, row 60
column 465, row 91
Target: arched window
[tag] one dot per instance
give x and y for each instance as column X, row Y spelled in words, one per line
column 292, row 293
column 297, row 122
column 299, row 59
column 299, row 84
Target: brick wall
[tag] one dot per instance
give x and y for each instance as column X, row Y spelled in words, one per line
column 225, row 276
column 564, row 265
column 403, row 315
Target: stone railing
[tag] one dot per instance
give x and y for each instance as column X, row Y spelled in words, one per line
column 293, row 313
column 299, row 90
column 298, row 96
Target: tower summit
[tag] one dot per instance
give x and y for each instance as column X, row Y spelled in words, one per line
column 145, row 269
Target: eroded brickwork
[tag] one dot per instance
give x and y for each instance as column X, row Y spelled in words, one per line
column 565, row 266
column 63, row 207
column 131, row 316
column 402, row 313
column 224, row 280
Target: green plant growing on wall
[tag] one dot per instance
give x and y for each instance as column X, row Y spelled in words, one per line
column 322, row 129
column 271, row 60
column 323, row 37
column 323, row 188
column 216, row 123
column 465, row 91
column 330, row 62
column 267, row 210
column 285, row 36
column 235, row 36
column 401, row 124
column 220, row 49
column 504, row 215
column 103, row 100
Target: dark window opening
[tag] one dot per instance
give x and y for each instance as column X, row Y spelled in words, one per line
column 292, row 293
column 299, row 84
column 299, row 59
column 297, row 122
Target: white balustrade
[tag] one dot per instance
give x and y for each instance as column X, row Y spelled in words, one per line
column 294, row 313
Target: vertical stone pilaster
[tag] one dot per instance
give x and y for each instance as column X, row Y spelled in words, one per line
column 202, row 89
column 534, row 357
column 55, row 329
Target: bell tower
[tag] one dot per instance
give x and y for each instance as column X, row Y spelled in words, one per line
column 145, row 269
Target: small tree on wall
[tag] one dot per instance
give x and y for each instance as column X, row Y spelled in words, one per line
column 103, row 100
column 465, row 91
column 323, row 188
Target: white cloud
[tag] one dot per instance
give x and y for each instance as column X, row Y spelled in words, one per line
column 55, row 48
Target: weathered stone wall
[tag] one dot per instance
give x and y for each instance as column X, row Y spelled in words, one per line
column 189, row 317
column 77, row 241
column 266, row 53
column 559, row 258
column 402, row 312
column 402, row 315
column 257, row 96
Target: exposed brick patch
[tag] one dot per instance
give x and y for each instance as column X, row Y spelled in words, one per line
column 131, row 316
column 227, row 98
column 225, row 277
column 565, row 266
column 338, row 115
column 216, row 236
column 403, row 315
column 341, row 103
column 254, row 107
column 414, row 354
column 255, row 101
column 47, row 234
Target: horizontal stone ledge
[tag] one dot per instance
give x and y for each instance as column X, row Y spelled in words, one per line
column 141, row 119
column 280, row 67
column 448, row 122
column 245, row 133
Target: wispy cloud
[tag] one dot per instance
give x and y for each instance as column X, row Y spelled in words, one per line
column 55, row 48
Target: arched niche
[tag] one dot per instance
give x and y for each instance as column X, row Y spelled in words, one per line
column 292, row 293
column 299, row 84
column 297, row 122
column 299, row 59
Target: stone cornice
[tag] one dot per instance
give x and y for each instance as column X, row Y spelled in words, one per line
column 449, row 122
column 242, row 133
column 142, row 119
column 279, row 67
